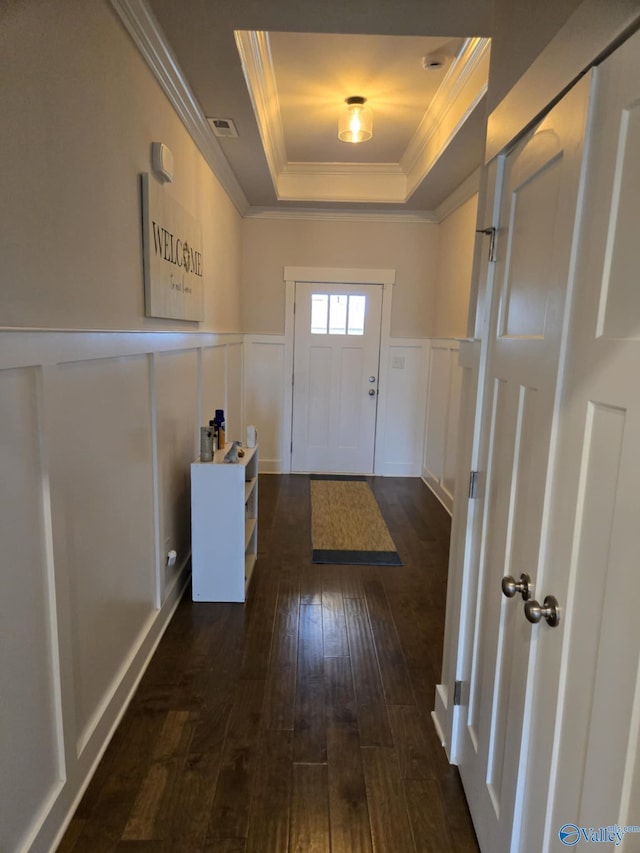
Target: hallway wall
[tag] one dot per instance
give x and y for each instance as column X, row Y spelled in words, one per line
column 80, row 109
column 97, row 425
column 456, row 240
column 410, row 248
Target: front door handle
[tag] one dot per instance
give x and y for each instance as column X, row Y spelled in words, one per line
column 372, row 392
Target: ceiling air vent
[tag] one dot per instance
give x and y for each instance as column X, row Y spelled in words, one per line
column 223, row 127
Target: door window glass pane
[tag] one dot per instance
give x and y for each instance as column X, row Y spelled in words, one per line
column 319, row 313
column 338, row 314
column 356, row 315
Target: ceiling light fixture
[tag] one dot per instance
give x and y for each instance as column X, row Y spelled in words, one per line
column 355, row 122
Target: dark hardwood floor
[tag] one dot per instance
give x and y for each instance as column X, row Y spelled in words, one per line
column 301, row 721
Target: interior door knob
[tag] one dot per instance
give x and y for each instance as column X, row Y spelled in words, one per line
column 511, row 587
column 549, row 611
column 372, row 379
column 372, row 392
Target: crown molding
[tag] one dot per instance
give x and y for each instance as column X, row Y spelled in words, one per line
column 309, row 214
column 257, row 67
column 462, row 193
column 344, row 169
column 462, row 90
column 145, row 31
column 360, row 187
column 377, row 183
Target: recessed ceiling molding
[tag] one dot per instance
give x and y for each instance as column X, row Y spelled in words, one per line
column 257, row 67
column 369, row 182
column 372, row 169
column 461, row 92
column 404, row 216
column 335, row 185
column 145, row 31
column 462, row 193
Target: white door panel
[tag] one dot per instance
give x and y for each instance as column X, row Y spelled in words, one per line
column 336, row 363
column 596, row 535
column 538, row 212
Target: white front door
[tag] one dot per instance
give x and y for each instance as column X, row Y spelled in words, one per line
column 537, row 220
column 335, row 390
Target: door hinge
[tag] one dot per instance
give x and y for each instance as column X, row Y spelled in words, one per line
column 473, row 485
column 458, row 691
column 492, row 242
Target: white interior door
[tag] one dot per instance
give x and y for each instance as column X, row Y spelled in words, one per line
column 335, row 389
column 594, row 764
column 537, row 220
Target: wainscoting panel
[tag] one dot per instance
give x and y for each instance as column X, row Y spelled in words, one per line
column 401, row 408
column 264, row 396
column 176, row 390
column 98, row 430
column 31, row 758
column 453, row 418
column 234, row 410
column 214, row 385
column 441, row 430
column 102, row 431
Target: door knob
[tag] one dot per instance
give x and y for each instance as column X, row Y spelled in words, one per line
column 510, row 586
column 372, row 379
column 372, row 392
column 549, row 611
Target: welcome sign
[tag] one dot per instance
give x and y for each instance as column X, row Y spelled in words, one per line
column 172, row 251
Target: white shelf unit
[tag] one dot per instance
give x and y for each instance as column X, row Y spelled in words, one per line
column 224, row 526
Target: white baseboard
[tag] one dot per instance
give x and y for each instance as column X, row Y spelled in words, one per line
column 438, row 727
column 443, row 496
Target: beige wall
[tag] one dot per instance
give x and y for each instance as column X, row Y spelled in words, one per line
column 271, row 244
column 80, row 110
column 521, row 30
column 455, row 259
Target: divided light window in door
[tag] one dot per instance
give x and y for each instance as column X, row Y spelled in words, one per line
column 337, row 314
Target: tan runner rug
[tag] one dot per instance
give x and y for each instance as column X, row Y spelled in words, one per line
column 346, row 524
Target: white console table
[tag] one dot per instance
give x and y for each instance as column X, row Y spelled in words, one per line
column 224, row 526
